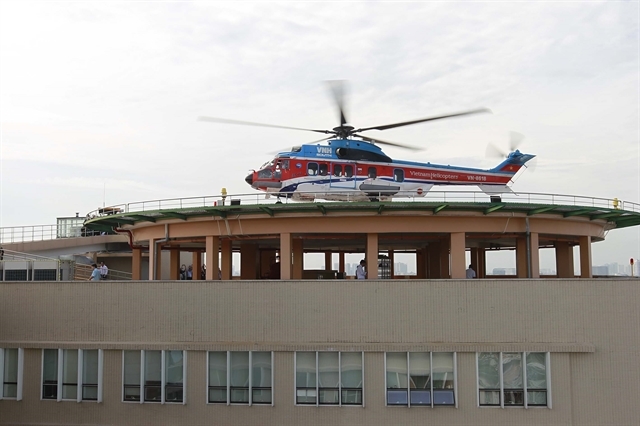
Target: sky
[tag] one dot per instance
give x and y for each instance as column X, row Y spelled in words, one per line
column 99, row 100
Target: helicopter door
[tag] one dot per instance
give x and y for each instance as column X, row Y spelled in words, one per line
column 342, row 175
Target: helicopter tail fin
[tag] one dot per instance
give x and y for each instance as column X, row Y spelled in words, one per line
column 513, row 163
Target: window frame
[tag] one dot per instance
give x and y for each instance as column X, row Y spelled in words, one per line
column 228, row 386
column 80, row 370
column 340, row 387
column 525, row 404
column 163, row 377
column 431, row 388
column 20, row 369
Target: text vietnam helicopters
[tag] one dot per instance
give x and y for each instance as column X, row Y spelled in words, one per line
column 349, row 169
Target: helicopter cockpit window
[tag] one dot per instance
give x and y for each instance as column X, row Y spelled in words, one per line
column 324, row 169
column 398, row 175
column 312, row 169
column 373, row 172
column 348, row 171
column 285, row 165
column 337, row 170
column 265, row 174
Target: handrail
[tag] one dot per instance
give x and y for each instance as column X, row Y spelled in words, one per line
column 28, row 233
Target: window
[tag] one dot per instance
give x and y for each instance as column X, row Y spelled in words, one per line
column 72, row 374
column 11, row 366
column 154, row 376
column 513, row 379
column 240, row 378
column 372, row 173
column 421, row 379
column 324, row 169
column 337, row 170
column 312, row 169
column 348, row 171
column 329, row 378
column 398, row 175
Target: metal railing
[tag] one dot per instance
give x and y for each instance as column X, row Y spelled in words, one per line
column 29, row 233
column 18, row 266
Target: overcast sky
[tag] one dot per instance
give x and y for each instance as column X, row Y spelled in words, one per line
column 99, row 100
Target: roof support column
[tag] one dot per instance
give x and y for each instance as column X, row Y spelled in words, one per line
column 443, row 258
column 341, row 262
column 479, row 261
column 155, row 260
column 585, row 257
column 457, row 242
column 521, row 257
column 371, row 256
column 298, row 259
column 227, row 260
column 249, row 261
column 212, row 260
column 534, row 254
column 392, row 267
column 422, row 262
column 327, row 261
column 285, row 256
column 196, row 261
column 564, row 259
column 174, row 264
column 528, row 256
column 136, row 264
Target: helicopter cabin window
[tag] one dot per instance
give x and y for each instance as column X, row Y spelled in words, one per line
column 337, row 170
column 265, row 174
column 348, row 171
column 324, row 169
column 372, row 173
column 398, row 175
column 312, row 169
column 284, row 164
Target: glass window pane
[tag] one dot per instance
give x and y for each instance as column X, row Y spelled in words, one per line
column 419, row 371
column 537, row 398
column 397, row 397
column 69, row 391
column 10, row 366
column 328, row 370
column 490, row 397
column 351, row 364
column 217, row 395
column 69, row 366
column 397, row 370
column 132, row 393
column 537, row 371
column 174, row 364
column 152, row 367
column 240, row 395
column 90, row 367
column 512, row 370
column 90, row 392
column 443, row 397
column 306, row 370
column 442, row 370
column 420, row 397
column 352, row 396
column 513, row 397
column 50, row 367
column 488, row 372
column 218, row 369
column 10, row 391
column 261, row 365
column 240, row 369
column 261, row 396
column 329, row 396
column 132, row 368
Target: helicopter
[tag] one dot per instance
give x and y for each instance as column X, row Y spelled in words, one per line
column 350, row 166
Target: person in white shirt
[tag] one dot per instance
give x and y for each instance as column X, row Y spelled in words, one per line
column 471, row 273
column 103, row 271
column 361, row 274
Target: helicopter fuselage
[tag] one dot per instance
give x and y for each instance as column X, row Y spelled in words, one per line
column 353, row 170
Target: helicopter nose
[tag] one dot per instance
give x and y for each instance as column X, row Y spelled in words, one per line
column 249, row 179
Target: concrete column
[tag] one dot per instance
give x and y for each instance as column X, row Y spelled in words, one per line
column 371, row 256
column 327, row 261
column 457, row 243
column 196, row 261
column 534, row 251
column 212, row 260
column 422, row 263
column 341, row 262
column 585, row 257
column 392, row 264
column 482, row 263
column 444, row 258
column 267, row 259
column 433, row 260
column 298, row 259
column 136, row 264
column 227, row 260
column 249, row 261
column 564, row 259
column 174, row 264
column 524, row 256
column 475, row 260
column 155, row 260
column 521, row 257
column 285, row 256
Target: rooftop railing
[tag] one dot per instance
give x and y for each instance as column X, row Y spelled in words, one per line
column 47, row 232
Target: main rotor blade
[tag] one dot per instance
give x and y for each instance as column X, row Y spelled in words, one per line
column 337, row 89
column 381, row 142
column 422, row 120
column 251, row 123
column 306, row 143
column 494, row 151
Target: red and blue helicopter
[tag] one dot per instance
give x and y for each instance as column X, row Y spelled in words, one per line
column 352, row 167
